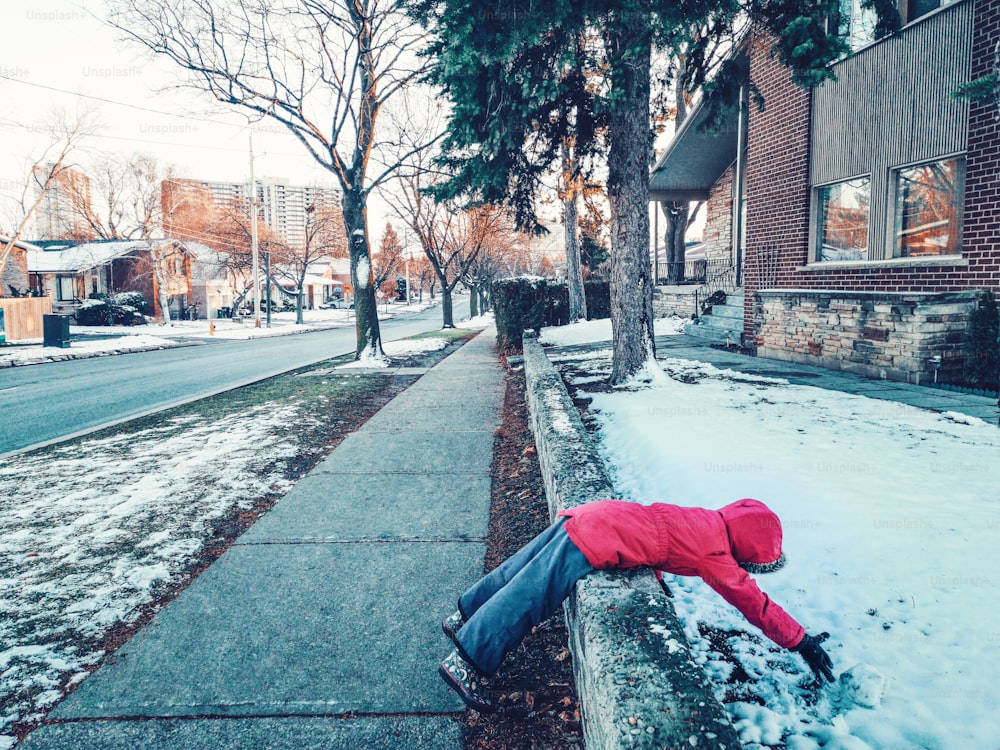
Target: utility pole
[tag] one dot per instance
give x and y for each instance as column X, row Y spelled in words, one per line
column 253, row 241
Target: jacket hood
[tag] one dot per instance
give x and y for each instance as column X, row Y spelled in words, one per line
column 754, row 535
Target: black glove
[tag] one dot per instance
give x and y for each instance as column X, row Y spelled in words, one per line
column 814, row 654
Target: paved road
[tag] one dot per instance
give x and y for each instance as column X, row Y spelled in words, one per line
column 49, row 402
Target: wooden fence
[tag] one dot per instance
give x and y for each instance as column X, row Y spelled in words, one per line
column 23, row 316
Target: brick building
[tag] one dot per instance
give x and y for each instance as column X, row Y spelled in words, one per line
column 865, row 213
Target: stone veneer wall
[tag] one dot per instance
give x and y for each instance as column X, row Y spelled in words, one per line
column 674, row 300
column 875, row 334
column 15, row 272
column 639, row 686
column 719, row 218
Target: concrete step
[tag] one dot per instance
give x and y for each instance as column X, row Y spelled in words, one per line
column 713, row 334
column 729, row 312
column 725, row 324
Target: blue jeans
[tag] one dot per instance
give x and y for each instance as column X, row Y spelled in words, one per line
column 516, row 596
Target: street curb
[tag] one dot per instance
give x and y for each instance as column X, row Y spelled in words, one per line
column 639, row 687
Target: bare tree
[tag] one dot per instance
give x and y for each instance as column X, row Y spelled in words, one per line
column 52, row 165
column 505, row 253
column 389, row 260
column 124, row 201
column 324, row 69
column 324, row 237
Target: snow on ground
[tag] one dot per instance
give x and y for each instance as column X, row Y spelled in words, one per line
column 88, row 531
column 398, row 350
column 587, row 331
column 890, row 522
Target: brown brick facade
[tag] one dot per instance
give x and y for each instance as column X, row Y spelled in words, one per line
column 778, row 225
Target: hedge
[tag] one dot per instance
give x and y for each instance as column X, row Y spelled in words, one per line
column 531, row 303
column 123, row 309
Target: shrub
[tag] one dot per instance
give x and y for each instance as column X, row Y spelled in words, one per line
column 530, row 303
column 94, row 312
column 135, row 300
column 519, row 304
column 982, row 367
column 598, row 299
column 117, row 311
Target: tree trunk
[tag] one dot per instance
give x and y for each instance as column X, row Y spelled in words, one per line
column 629, row 47
column 446, row 309
column 162, row 292
column 474, row 301
column 574, row 269
column 675, row 213
column 362, row 278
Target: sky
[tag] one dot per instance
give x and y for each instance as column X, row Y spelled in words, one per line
column 61, row 55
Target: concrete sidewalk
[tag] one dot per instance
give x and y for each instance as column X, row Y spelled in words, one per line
column 320, row 627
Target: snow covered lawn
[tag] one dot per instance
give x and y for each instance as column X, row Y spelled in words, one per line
column 88, row 532
column 891, row 529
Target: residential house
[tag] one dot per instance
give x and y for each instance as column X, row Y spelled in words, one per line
column 70, row 272
column 858, row 221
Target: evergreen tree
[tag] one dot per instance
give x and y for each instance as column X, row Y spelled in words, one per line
column 519, row 83
column 983, row 363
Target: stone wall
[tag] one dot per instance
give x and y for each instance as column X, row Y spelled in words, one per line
column 719, row 218
column 875, row 334
column 674, row 300
column 15, row 272
column 638, row 689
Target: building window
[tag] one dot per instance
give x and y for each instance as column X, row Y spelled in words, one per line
column 928, row 210
column 65, row 288
column 911, row 10
column 855, row 23
column 843, row 211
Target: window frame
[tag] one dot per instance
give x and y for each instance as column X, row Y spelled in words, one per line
column 816, row 222
column 893, row 249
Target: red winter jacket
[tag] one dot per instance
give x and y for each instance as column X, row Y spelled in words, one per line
column 690, row 542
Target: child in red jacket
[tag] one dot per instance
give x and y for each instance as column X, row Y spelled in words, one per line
column 720, row 546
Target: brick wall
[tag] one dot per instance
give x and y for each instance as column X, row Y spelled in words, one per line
column 777, row 177
column 981, row 235
column 778, row 223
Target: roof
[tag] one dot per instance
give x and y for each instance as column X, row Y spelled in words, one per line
column 699, row 153
column 313, row 280
column 19, row 243
column 81, row 257
column 68, row 256
column 696, row 158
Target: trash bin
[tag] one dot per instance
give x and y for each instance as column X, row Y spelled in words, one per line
column 55, row 331
column 3, row 332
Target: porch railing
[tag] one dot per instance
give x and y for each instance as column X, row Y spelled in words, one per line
column 720, row 282
column 675, row 274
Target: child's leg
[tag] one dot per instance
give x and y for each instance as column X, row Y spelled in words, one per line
column 497, row 578
column 534, row 592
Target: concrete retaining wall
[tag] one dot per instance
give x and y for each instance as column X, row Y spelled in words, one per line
column 639, row 687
